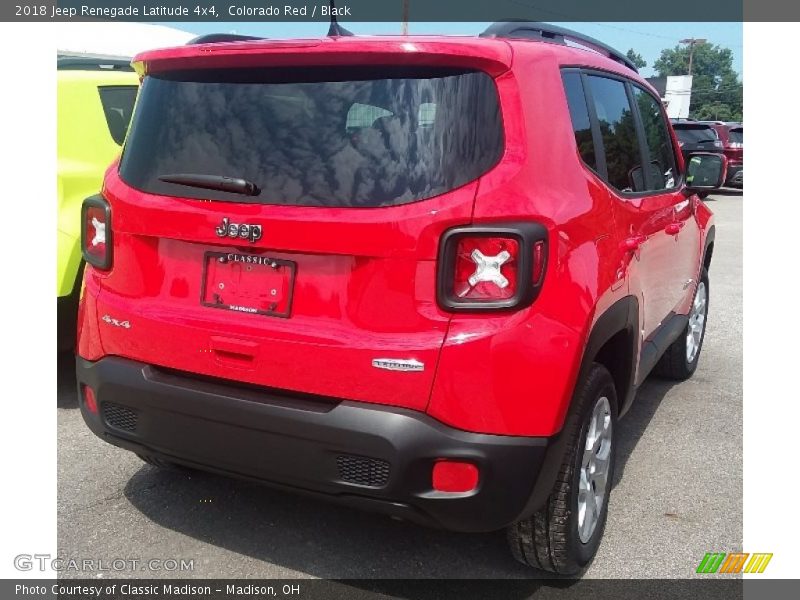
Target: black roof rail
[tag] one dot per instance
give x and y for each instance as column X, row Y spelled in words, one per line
column 216, row 38
column 554, row 34
column 93, row 63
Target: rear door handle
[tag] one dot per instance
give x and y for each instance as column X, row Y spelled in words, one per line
column 674, row 228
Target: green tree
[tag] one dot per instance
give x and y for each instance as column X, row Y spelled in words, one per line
column 716, row 89
column 636, row 59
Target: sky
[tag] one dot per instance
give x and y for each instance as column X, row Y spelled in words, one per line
column 648, row 39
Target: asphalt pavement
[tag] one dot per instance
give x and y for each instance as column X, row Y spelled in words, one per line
column 678, row 491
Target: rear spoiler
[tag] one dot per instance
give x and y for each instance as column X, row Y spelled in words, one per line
column 492, row 56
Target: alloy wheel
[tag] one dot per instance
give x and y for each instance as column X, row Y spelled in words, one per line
column 595, row 466
column 697, row 323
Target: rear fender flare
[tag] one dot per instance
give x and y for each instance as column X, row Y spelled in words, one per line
column 707, row 242
column 623, row 315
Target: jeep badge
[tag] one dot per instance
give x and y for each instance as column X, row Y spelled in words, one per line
column 244, row 231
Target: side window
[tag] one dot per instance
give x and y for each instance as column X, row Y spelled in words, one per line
column 662, row 158
column 118, row 101
column 579, row 114
column 618, row 131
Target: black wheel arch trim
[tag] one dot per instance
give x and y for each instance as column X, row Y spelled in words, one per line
column 622, row 316
column 654, row 347
column 710, row 234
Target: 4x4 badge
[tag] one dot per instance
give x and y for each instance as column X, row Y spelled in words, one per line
column 244, row 231
column 116, row 322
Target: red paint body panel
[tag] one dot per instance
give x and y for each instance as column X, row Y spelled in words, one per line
column 364, row 289
column 515, row 373
column 89, row 345
column 365, row 283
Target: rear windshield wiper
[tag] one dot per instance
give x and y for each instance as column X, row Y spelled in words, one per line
column 213, row 182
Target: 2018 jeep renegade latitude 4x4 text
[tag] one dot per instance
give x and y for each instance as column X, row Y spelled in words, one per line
column 417, row 275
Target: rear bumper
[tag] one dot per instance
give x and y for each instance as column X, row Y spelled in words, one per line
column 364, row 455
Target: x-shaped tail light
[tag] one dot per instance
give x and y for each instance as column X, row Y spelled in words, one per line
column 487, row 268
column 498, row 266
column 99, row 232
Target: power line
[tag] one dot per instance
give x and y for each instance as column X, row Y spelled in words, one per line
column 647, row 34
column 601, row 24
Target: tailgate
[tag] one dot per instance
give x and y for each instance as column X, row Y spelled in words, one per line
column 361, row 292
column 319, row 275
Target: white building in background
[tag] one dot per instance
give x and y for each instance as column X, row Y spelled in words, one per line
column 676, row 92
column 115, row 39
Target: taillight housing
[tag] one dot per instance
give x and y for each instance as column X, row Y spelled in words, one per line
column 96, row 232
column 492, row 267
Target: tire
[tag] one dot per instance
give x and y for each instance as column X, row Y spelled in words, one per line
column 676, row 363
column 67, row 317
column 552, row 539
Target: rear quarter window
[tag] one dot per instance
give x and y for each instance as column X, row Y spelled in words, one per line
column 118, row 101
column 579, row 115
column 316, row 137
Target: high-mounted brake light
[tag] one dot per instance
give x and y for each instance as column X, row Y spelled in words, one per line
column 96, row 232
column 492, row 267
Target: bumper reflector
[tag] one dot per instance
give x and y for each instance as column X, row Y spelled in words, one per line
column 89, row 400
column 454, row 476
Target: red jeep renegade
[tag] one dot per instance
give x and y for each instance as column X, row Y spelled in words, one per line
column 417, row 275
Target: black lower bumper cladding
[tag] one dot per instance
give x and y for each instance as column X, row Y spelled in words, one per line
column 365, row 455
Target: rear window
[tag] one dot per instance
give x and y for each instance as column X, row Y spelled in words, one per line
column 693, row 134
column 314, row 137
column 735, row 136
column 118, row 101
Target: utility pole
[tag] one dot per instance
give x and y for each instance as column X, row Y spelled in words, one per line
column 692, row 42
column 405, row 17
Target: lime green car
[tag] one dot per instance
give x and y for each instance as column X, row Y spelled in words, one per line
column 95, row 101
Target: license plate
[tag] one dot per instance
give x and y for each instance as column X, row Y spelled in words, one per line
column 248, row 283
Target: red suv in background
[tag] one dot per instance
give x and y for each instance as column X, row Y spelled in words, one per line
column 731, row 136
column 417, row 275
